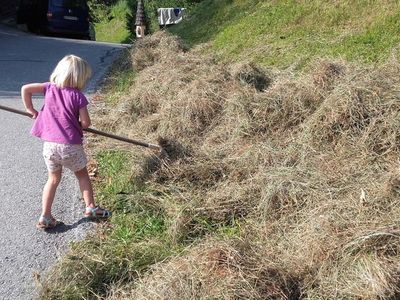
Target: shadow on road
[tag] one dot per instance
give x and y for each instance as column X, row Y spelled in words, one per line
column 62, row 227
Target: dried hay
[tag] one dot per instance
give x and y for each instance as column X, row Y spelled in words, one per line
column 325, row 73
column 310, row 160
column 362, row 110
column 150, row 51
column 213, row 270
column 251, row 74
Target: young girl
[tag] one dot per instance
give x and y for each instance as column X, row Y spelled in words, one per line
column 59, row 124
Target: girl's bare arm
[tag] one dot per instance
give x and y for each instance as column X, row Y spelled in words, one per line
column 84, row 117
column 27, row 91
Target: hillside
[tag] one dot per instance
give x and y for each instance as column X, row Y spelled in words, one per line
column 290, row 33
column 282, row 126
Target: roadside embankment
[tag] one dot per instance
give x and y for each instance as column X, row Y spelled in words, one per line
column 278, row 183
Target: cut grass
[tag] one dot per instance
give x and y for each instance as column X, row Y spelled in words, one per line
column 141, row 232
column 260, row 144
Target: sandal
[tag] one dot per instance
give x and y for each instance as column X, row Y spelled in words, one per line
column 97, row 213
column 46, row 223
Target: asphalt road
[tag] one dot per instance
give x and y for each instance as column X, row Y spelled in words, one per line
column 25, row 251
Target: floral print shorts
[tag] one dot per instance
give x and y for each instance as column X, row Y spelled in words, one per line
column 58, row 155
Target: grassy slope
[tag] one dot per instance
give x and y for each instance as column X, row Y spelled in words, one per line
column 112, row 23
column 274, row 33
column 283, row 33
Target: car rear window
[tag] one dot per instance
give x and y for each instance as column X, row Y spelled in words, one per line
column 70, row 3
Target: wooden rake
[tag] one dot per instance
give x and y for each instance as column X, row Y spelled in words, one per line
column 98, row 132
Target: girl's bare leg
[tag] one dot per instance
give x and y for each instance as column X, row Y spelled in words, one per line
column 85, row 185
column 49, row 192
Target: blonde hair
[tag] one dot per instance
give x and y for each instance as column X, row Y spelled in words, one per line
column 72, row 71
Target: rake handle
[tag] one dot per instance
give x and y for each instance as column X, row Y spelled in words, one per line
column 123, row 139
column 91, row 130
column 16, row 111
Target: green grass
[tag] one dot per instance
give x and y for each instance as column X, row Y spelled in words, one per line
column 113, row 23
column 283, row 33
column 111, row 163
column 119, row 79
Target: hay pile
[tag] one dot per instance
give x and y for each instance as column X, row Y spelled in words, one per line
column 308, row 162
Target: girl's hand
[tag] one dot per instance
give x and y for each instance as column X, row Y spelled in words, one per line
column 34, row 113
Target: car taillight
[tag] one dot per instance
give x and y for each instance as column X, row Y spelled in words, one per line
column 49, row 15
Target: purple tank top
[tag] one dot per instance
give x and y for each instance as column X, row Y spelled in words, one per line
column 58, row 120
